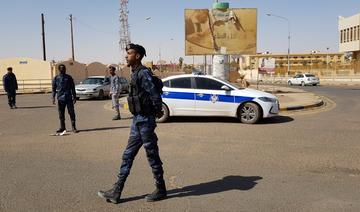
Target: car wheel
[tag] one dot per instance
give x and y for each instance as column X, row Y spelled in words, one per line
column 249, row 113
column 289, row 83
column 101, row 94
column 165, row 116
column 302, row 83
column 314, row 84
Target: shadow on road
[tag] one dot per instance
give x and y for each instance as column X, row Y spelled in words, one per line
column 36, row 107
column 276, row 120
column 189, row 119
column 102, row 129
column 227, row 183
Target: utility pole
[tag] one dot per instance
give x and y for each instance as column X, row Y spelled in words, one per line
column 72, row 38
column 43, row 35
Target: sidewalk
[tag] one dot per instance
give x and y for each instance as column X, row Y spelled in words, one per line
column 292, row 98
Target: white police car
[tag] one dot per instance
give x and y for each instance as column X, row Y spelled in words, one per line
column 203, row 95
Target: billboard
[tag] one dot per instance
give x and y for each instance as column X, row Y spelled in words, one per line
column 266, row 65
column 230, row 31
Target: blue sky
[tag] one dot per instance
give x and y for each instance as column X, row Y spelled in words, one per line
column 96, row 26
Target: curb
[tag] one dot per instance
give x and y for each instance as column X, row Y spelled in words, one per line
column 301, row 107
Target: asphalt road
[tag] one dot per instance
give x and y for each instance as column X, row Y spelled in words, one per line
column 300, row 161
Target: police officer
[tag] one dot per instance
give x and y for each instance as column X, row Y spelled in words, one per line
column 10, row 87
column 145, row 103
column 115, row 90
column 64, row 88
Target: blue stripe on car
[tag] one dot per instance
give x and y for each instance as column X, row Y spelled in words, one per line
column 205, row 97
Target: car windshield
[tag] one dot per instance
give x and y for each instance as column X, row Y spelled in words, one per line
column 309, row 75
column 93, row 81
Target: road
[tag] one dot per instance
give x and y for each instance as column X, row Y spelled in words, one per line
column 299, row 161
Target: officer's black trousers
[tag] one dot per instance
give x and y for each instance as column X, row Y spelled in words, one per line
column 61, row 108
column 11, row 98
column 142, row 134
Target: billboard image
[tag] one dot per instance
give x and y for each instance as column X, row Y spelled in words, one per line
column 266, row 65
column 230, row 31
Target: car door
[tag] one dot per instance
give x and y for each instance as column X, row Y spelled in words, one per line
column 211, row 99
column 179, row 96
column 300, row 79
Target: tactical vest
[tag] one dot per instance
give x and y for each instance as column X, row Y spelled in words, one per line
column 139, row 100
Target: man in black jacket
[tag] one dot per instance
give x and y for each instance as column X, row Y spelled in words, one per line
column 145, row 104
column 10, row 87
column 64, row 88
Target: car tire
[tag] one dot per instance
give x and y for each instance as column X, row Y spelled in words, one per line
column 166, row 115
column 303, row 83
column 314, row 84
column 101, row 94
column 289, row 83
column 249, row 113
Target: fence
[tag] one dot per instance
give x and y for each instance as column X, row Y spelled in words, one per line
column 33, row 85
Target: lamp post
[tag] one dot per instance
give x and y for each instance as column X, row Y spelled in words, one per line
column 288, row 52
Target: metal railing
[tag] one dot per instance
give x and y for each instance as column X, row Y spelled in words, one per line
column 31, row 85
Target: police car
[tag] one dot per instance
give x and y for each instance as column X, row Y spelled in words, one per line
column 204, row 95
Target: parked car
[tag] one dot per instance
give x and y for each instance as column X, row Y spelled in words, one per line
column 98, row 87
column 304, row 79
column 93, row 87
column 203, row 95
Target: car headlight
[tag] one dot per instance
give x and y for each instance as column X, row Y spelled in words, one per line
column 268, row 99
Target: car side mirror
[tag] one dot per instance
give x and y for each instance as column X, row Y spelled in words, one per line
column 226, row 88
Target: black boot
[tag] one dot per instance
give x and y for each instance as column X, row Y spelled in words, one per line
column 74, row 127
column 62, row 127
column 113, row 195
column 159, row 193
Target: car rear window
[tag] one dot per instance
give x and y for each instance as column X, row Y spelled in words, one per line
column 309, row 75
column 180, row 83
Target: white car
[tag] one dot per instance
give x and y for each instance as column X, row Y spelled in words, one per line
column 304, row 79
column 203, row 95
column 93, row 87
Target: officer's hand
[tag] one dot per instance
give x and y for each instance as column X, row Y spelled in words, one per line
column 74, row 101
column 53, row 101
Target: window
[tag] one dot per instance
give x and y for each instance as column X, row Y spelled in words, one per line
column 358, row 31
column 166, row 83
column 351, row 34
column 341, row 36
column 208, row 84
column 180, row 83
column 309, row 75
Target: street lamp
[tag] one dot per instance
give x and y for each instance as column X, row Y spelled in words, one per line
column 288, row 53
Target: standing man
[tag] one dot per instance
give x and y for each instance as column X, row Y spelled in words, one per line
column 10, row 87
column 144, row 103
column 115, row 90
column 64, row 88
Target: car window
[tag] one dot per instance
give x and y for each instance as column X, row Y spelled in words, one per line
column 93, row 81
column 309, row 75
column 166, row 83
column 208, row 84
column 300, row 76
column 184, row 82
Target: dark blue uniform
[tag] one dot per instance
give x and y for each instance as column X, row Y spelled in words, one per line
column 143, row 126
column 64, row 88
column 10, row 87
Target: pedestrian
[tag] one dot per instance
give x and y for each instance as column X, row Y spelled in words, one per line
column 64, row 88
column 145, row 104
column 115, row 90
column 10, row 87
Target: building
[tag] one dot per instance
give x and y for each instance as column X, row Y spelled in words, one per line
column 349, row 35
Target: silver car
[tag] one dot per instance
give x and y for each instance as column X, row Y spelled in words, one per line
column 304, row 79
column 93, row 87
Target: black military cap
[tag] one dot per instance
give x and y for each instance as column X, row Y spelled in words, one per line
column 138, row 48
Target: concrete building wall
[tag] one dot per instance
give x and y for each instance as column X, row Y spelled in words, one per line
column 30, row 73
column 97, row 69
column 75, row 69
column 349, row 33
